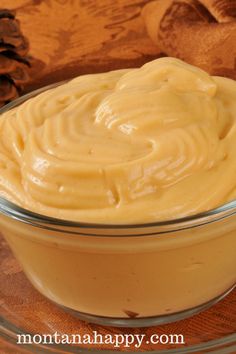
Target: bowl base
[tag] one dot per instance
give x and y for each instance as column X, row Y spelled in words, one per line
column 145, row 321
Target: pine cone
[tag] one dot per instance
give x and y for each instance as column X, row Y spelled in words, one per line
column 14, row 63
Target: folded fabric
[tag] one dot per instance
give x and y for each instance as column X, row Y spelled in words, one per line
column 201, row 32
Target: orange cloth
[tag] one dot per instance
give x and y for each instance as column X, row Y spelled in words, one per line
column 202, row 33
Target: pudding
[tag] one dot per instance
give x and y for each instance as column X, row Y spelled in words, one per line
column 131, row 174
column 127, row 146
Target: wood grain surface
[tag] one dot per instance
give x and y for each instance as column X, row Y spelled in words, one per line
column 70, row 37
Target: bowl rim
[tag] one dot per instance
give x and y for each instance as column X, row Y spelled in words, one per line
column 19, row 213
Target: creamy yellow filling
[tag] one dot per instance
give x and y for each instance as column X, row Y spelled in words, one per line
column 135, row 145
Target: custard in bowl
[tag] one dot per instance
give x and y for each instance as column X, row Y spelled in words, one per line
column 118, row 192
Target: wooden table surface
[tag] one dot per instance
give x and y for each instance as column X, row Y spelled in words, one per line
column 70, row 37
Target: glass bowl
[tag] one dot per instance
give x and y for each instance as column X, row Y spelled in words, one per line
column 125, row 275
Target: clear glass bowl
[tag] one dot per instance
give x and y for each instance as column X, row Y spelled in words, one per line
column 24, row 310
column 125, row 275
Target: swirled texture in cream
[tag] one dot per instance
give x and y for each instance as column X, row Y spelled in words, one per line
column 126, row 146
